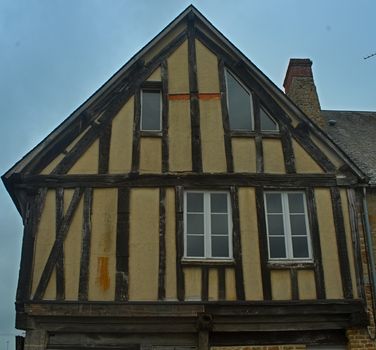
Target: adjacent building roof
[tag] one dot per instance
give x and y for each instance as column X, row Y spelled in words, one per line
column 355, row 133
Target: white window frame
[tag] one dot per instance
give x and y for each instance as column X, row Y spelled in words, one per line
column 207, row 226
column 287, row 227
column 160, row 109
column 252, row 116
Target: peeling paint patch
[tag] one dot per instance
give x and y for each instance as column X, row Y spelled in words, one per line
column 103, row 278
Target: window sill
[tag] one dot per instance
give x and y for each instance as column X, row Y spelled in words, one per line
column 207, row 262
column 252, row 134
column 290, row 264
column 149, row 133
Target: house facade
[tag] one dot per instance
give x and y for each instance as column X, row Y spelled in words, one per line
column 189, row 203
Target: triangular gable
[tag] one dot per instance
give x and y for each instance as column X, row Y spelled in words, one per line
column 88, row 126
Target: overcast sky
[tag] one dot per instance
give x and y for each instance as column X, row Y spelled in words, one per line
column 55, row 53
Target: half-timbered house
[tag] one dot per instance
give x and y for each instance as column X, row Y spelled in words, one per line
column 189, row 203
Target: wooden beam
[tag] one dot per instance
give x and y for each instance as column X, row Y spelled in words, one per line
column 225, row 117
column 204, row 283
column 341, row 243
column 57, row 247
column 179, row 222
column 136, row 132
column 354, row 213
column 122, row 245
column 165, row 123
column 263, row 244
column 85, row 245
column 162, row 244
column 35, row 205
column 294, row 284
column 308, row 337
column 60, row 280
column 316, row 244
column 237, row 248
column 195, row 107
column 288, row 151
column 208, row 180
column 104, row 149
column 221, row 283
column 259, row 154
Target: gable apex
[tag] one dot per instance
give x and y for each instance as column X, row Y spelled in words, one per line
column 95, row 113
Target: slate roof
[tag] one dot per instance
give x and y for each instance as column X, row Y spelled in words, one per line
column 355, row 133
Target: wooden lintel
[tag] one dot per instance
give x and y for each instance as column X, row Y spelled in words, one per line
column 204, row 180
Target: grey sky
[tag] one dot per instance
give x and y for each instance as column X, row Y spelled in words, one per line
column 55, row 53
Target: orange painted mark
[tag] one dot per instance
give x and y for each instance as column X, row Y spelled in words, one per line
column 209, row 96
column 177, row 97
column 103, row 277
column 206, row 96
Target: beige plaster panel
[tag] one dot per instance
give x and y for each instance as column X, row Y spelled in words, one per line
column 250, row 244
column 244, row 155
column 273, row 156
column 350, row 249
column 329, row 252
column 306, row 285
column 192, row 283
column 303, row 161
column 72, row 249
column 164, row 41
column 170, row 279
column 281, row 284
column 144, row 244
column 88, row 162
column 207, row 69
column 230, row 284
column 155, row 76
column 213, row 284
column 178, row 79
column 150, row 155
column 179, row 136
column 212, row 140
column 121, row 140
column 44, row 241
column 338, row 162
column 102, row 264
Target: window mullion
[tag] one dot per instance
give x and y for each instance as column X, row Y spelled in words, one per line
column 207, row 224
column 287, row 225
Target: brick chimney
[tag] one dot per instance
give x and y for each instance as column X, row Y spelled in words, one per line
column 300, row 87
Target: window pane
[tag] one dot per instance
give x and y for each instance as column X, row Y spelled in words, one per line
column 275, row 225
column 273, row 203
column 296, row 204
column 300, row 247
column 219, row 224
column 277, row 247
column 195, row 224
column 298, row 226
column 195, row 246
column 219, row 246
column 266, row 122
column 195, row 202
column 151, row 110
column 218, row 202
column 239, row 105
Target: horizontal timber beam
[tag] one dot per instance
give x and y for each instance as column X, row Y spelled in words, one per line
column 183, row 316
column 176, row 179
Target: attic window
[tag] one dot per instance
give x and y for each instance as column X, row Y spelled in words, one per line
column 267, row 123
column 151, row 110
column 239, row 104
